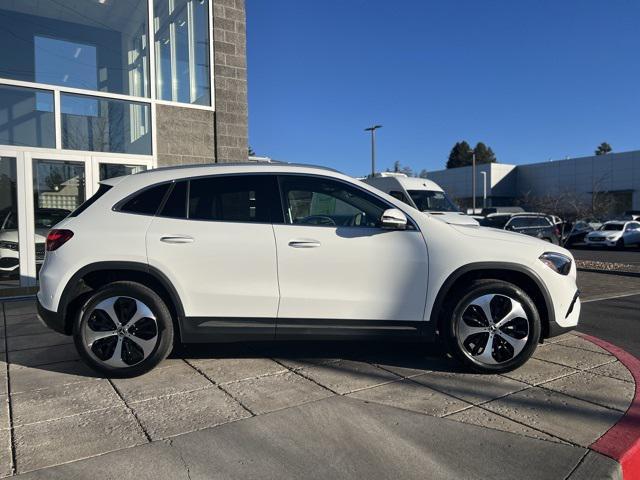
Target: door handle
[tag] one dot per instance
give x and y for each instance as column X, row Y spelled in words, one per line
column 304, row 243
column 177, row 239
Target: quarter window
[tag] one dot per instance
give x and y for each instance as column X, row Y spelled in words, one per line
column 147, row 201
column 324, row 202
column 176, row 204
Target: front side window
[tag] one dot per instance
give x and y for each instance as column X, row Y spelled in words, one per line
column 182, row 50
column 325, row 202
column 242, row 198
column 94, row 45
column 432, row 201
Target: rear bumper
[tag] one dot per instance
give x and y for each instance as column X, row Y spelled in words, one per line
column 53, row 320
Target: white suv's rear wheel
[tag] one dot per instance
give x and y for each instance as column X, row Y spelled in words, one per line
column 492, row 327
column 124, row 330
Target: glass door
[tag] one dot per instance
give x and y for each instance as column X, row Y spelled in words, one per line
column 10, row 238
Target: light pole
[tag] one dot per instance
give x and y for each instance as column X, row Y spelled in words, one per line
column 484, row 189
column 473, row 179
column 373, row 147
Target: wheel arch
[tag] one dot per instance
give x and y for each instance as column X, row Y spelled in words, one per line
column 93, row 276
column 520, row 275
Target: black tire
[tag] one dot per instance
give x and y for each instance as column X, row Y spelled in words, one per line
column 461, row 299
column 163, row 328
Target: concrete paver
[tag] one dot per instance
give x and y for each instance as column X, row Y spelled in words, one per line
column 43, row 444
column 25, row 342
column 186, row 412
column 571, row 357
column 224, row 370
column 568, row 418
column 275, row 392
column 537, row 371
column 578, row 342
column 604, row 391
column 25, row 379
column 481, row 417
column 30, row 327
column 347, row 376
column 470, row 387
column 176, row 378
column 61, row 401
column 614, row 370
column 412, row 396
column 42, row 356
column 5, row 452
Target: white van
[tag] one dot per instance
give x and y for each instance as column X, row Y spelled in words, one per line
column 420, row 193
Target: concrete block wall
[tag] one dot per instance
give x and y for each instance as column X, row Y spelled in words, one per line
column 230, row 76
column 184, row 135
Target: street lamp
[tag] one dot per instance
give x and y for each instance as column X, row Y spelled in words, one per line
column 373, row 147
column 473, row 179
column 484, row 189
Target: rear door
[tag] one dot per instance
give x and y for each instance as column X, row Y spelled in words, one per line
column 214, row 240
column 340, row 273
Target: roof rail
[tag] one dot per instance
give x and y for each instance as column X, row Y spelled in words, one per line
column 273, row 163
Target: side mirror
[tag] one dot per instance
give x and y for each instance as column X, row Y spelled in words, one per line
column 393, row 219
column 509, row 227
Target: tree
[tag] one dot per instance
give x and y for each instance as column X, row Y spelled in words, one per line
column 251, row 152
column 603, row 149
column 399, row 168
column 423, row 173
column 484, row 154
column 460, row 155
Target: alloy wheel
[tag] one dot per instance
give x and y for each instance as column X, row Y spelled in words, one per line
column 120, row 332
column 493, row 329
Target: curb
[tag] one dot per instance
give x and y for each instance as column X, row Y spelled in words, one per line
column 622, row 441
column 621, row 273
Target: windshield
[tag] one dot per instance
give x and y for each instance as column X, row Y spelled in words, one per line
column 432, row 201
column 612, row 226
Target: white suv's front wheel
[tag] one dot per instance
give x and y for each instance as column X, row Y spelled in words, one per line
column 492, row 327
column 123, row 330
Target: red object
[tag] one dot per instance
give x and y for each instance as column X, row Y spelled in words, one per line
column 57, row 238
column 622, row 441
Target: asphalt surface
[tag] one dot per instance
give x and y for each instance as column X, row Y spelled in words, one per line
column 629, row 256
column 616, row 320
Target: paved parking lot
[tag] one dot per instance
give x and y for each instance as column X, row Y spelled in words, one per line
column 58, row 411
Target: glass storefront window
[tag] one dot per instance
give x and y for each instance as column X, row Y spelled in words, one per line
column 26, row 117
column 58, row 189
column 104, row 125
column 96, row 45
column 9, row 242
column 111, row 170
column 181, row 30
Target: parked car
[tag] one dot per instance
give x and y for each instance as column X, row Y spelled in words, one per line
column 422, row 194
column 489, row 210
column 45, row 218
column 535, row 225
column 615, row 234
column 577, row 233
column 236, row 252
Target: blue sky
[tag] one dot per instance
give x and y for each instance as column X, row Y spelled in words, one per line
column 534, row 79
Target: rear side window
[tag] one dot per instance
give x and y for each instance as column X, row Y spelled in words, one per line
column 147, row 201
column 242, row 198
column 176, row 204
column 102, row 189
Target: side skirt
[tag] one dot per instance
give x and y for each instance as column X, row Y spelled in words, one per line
column 215, row 329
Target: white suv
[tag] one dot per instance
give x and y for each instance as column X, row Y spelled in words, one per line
column 234, row 252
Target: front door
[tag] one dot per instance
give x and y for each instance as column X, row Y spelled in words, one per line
column 339, row 271
column 214, row 240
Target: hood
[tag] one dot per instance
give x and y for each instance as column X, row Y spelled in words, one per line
column 604, row 233
column 12, row 235
column 454, row 218
column 495, row 234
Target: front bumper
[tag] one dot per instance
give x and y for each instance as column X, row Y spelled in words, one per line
column 53, row 320
column 601, row 243
column 571, row 316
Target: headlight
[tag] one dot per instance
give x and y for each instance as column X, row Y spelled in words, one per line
column 612, row 237
column 557, row 262
column 9, row 245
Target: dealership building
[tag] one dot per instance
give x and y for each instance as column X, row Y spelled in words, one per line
column 92, row 89
column 614, row 177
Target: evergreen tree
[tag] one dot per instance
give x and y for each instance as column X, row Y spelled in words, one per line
column 484, row 154
column 603, row 149
column 460, row 155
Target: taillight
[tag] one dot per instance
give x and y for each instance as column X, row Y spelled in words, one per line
column 557, row 231
column 57, row 238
